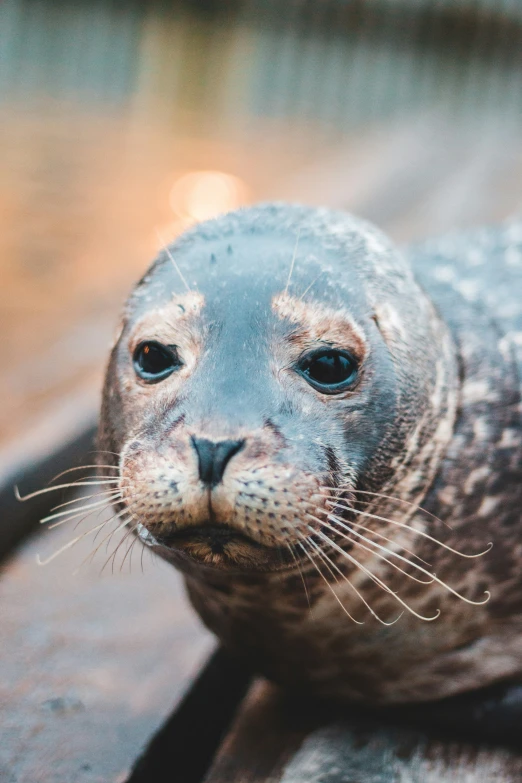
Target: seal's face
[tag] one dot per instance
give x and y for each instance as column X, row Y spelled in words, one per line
column 240, row 401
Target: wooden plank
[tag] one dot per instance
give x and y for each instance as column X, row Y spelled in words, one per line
column 416, row 179
column 92, row 661
column 184, row 747
column 63, row 449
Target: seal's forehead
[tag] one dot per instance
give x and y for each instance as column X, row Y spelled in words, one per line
column 246, row 272
column 261, row 240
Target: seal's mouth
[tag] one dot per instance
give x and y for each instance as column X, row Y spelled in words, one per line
column 217, row 538
column 220, row 546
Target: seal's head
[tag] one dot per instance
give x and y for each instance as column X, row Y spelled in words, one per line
column 264, row 367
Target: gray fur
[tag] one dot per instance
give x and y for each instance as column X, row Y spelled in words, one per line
column 436, row 423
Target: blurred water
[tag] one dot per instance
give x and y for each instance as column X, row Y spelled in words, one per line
column 105, row 107
column 329, row 61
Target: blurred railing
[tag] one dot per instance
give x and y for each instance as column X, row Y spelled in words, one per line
column 331, row 61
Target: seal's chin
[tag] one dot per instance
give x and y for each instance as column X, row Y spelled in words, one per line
column 219, row 546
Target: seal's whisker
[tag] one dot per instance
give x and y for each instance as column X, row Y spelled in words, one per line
column 114, row 516
column 311, row 285
column 318, row 551
column 72, row 513
column 64, row 548
column 113, row 554
column 96, row 514
column 129, row 550
column 326, row 561
column 97, row 528
column 82, row 514
column 94, row 483
column 83, row 467
column 166, row 248
column 108, row 538
column 126, row 521
column 143, row 548
column 296, row 561
column 374, row 577
column 433, row 577
column 127, row 510
column 293, row 261
column 394, row 499
column 349, row 527
column 90, row 555
column 75, row 503
column 309, row 556
column 372, row 551
column 376, row 533
column 135, row 541
column 80, row 498
column 412, row 530
column 102, row 510
column 443, row 584
column 372, row 611
column 331, row 566
column 110, row 535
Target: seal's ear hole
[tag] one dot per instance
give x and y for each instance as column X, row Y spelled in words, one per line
column 384, row 323
column 153, row 362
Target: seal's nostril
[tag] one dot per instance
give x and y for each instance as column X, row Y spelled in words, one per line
column 214, row 457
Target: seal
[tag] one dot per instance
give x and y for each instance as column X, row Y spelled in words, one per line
column 324, row 434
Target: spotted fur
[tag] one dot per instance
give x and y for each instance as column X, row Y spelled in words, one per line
column 345, row 515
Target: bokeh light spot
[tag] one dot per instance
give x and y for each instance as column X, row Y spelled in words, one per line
column 200, row 195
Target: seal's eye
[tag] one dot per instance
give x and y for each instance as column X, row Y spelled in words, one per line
column 153, row 362
column 329, row 370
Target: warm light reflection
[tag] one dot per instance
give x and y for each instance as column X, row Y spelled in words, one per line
column 200, row 195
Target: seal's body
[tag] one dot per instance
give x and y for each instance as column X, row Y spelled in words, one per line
column 325, row 437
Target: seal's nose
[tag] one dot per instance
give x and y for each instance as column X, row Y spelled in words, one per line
column 214, row 457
